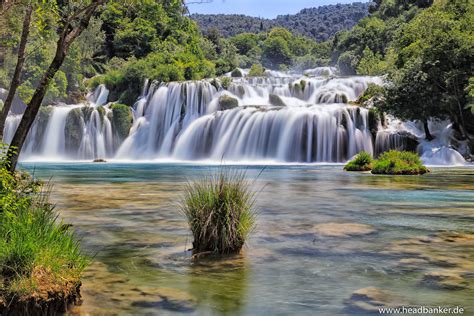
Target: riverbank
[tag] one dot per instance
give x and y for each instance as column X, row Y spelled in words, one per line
column 41, row 262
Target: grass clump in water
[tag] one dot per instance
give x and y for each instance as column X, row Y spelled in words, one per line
column 399, row 163
column 361, row 162
column 40, row 259
column 220, row 212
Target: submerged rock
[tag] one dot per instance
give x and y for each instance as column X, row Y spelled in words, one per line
column 226, row 102
column 343, row 229
column 99, row 160
column 444, row 279
column 370, row 299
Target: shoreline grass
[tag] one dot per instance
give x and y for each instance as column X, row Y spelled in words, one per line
column 40, row 258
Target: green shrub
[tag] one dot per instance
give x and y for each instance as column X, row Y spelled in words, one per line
column 37, row 252
column 220, row 212
column 361, row 162
column 226, row 82
column 257, row 70
column 399, row 163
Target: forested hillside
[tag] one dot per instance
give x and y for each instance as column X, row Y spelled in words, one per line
column 318, row 23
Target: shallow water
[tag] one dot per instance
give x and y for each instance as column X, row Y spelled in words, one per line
column 295, row 262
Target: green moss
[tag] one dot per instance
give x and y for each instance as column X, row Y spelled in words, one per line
column 87, row 112
column 227, row 102
column 74, row 129
column 121, row 119
column 101, row 111
column 361, row 162
column 372, row 91
column 303, row 85
column 399, row 163
column 275, row 100
column 236, row 73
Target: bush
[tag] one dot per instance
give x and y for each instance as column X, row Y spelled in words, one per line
column 220, row 212
column 39, row 256
column 361, row 162
column 226, row 82
column 399, row 163
column 257, row 70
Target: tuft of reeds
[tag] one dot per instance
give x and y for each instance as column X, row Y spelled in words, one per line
column 220, row 212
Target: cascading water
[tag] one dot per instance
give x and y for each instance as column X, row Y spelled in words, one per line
column 281, row 117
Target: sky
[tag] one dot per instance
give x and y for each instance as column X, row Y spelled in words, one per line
column 259, row 8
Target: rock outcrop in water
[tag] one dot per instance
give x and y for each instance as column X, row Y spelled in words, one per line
column 280, row 117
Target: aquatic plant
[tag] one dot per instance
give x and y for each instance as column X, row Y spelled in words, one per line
column 399, row 163
column 220, row 212
column 40, row 259
column 361, row 162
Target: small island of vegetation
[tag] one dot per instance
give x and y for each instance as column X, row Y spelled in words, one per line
column 392, row 162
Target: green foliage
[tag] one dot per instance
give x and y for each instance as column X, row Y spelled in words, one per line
column 399, row 163
column 220, row 212
column 372, row 91
column 226, row 82
column 33, row 241
column 121, row 119
column 318, row 23
column 256, row 70
column 361, row 162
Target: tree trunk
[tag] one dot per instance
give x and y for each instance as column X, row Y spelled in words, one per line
column 19, row 66
column 428, row 135
column 67, row 35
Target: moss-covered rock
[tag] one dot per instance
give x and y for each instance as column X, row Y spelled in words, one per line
column 74, row 129
column 122, row 119
column 227, row 102
column 236, row 73
column 101, row 111
column 87, row 112
column 399, row 163
column 303, row 85
column 241, row 91
column 275, row 100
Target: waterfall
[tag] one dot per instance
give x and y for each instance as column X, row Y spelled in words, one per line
column 282, row 117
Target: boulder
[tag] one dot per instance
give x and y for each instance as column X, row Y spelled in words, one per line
column 275, row 100
column 227, row 102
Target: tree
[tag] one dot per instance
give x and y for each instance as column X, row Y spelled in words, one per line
column 15, row 82
column 71, row 25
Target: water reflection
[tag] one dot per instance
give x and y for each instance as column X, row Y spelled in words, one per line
column 327, row 242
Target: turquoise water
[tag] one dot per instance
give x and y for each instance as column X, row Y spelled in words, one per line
column 306, row 256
